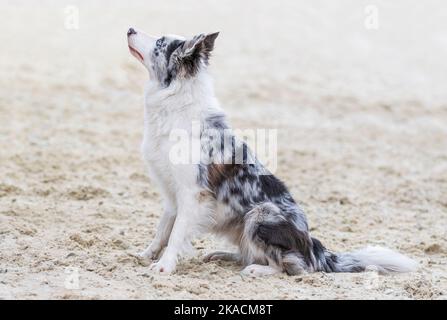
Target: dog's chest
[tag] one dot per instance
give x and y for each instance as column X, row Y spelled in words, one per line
column 161, row 132
column 157, row 140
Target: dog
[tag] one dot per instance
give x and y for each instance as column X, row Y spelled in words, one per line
column 240, row 200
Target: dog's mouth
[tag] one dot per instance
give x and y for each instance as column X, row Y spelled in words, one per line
column 136, row 54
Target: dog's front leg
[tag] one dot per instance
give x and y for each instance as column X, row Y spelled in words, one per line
column 185, row 226
column 163, row 231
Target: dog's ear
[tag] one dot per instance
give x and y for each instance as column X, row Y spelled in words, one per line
column 197, row 50
column 201, row 44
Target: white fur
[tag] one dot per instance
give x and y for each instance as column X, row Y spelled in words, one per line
column 257, row 270
column 385, row 260
column 166, row 109
column 176, row 107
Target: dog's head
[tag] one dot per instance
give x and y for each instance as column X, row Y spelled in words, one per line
column 171, row 58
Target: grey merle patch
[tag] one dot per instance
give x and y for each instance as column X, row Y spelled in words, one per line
column 175, row 58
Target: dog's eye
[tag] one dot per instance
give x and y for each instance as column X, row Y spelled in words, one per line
column 159, row 42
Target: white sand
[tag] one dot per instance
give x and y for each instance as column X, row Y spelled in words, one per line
column 362, row 120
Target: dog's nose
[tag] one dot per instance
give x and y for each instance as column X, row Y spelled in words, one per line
column 131, row 32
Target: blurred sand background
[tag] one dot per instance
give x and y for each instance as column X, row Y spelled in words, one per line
column 361, row 116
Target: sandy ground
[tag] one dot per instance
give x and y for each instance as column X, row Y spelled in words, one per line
column 361, row 117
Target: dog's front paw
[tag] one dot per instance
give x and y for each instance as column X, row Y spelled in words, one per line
column 152, row 252
column 164, row 266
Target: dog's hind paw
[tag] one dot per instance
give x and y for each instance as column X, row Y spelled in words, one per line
column 256, row 270
column 223, row 256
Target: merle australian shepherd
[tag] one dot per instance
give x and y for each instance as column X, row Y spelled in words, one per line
column 240, row 200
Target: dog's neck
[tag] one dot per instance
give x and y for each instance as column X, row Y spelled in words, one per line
column 195, row 94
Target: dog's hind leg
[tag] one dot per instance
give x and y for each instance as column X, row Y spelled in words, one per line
column 255, row 270
column 223, row 256
column 273, row 242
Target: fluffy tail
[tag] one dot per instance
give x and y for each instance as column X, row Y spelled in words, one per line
column 380, row 259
